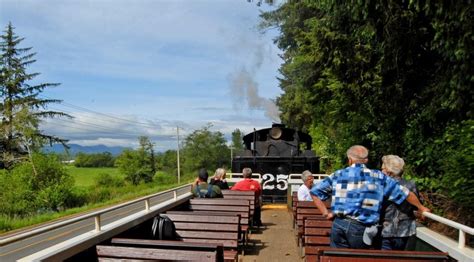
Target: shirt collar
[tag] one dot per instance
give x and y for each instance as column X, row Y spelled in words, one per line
column 358, row 165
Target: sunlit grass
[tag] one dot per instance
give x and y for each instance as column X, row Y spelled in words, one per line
column 85, row 179
column 86, row 176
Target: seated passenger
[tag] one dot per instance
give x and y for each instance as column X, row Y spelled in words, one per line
column 219, row 179
column 303, row 191
column 202, row 189
column 398, row 220
column 248, row 184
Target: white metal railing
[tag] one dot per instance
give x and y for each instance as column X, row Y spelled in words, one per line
column 296, row 178
column 463, row 229
column 96, row 215
column 236, row 177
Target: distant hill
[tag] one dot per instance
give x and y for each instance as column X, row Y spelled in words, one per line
column 75, row 148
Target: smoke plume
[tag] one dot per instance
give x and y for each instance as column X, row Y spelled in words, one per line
column 245, row 89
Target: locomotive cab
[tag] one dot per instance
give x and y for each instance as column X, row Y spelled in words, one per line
column 276, row 153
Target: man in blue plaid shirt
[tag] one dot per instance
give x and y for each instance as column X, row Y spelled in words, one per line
column 357, row 195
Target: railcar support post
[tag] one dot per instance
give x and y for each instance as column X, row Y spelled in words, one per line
column 177, row 155
column 97, row 223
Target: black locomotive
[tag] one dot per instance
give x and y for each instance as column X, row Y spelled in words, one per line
column 276, row 153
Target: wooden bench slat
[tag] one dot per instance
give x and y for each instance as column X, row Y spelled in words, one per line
column 237, row 192
column 153, row 253
column 316, row 240
column 317, row 231
column 220, row 208
column 181, row 217
column 309, row 211
column 174, row 244
column 206, row 226
column 226, row 243
column 207, row 234
column 208, row 213
column 220, row 202
column 343, row 254
column 317, row 223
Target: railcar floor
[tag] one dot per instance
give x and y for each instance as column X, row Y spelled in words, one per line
column 276, row 241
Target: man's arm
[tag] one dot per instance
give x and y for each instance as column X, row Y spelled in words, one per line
column 412, row 199
column 322, row 207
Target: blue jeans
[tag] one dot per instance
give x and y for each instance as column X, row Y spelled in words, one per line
column 347, row 234
column 394, row 243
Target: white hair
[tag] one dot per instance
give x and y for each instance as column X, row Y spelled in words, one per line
column 393, row 164
column 357, row 152
column 247, row 172
column 305, row 175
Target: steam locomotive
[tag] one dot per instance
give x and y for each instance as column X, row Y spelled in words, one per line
column 276, row 153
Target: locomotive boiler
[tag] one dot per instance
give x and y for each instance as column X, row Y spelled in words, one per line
column 276, row 153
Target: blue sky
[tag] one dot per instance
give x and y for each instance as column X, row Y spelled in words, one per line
column 130, row 68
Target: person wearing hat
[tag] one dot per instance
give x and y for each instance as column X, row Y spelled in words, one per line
column 398, row 220
column 202, row 189
column 357, row 197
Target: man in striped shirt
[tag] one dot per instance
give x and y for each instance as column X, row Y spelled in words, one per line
column 357, row 195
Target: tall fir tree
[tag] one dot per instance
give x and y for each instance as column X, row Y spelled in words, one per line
column 21, row 107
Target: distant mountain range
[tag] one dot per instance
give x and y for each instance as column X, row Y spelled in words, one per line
column 75, row 148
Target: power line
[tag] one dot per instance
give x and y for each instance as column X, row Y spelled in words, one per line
column 103, row 114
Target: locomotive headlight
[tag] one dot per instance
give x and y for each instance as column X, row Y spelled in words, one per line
column 276, row 133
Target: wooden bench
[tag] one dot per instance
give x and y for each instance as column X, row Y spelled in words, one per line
column 243, row 232
column 143, row 249
column 223, row 230
column 324, row 254
column 241, row 207
column 304, row 210
column 317, row 233
column 242, row 195
column 294, row 200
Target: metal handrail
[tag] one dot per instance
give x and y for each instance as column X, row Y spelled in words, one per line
column 96, row 215
column 463, row 229
column 316, row 176
column 240, row 175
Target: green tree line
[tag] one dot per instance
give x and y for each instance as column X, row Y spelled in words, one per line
column 394, row 76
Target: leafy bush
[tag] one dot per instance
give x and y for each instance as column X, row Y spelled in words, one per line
column 104, row 159
column 106, row 179
column 162, row 178
column 30, row 187
column 134, row 166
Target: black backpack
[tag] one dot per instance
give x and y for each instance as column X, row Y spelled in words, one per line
column 201, row 194
column 163, row 228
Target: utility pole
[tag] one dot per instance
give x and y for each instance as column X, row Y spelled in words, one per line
column 177, row 155
column 231, row 156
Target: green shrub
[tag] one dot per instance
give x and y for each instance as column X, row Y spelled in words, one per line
column 165, row 179
column 106, row 179
column 27, row 189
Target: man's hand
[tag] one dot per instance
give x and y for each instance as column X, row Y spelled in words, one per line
column 329, row 215
column 423, row 209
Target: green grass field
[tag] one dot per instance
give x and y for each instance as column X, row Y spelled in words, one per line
column 86, row 176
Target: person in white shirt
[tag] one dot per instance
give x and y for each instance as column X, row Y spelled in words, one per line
column 303, row 191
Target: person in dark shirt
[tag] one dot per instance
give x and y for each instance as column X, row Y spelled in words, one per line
column 201, row 188
column 398, row 220
column 219, row 179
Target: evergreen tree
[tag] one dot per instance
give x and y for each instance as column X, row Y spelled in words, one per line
column 21, row 108
column 237, row 136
